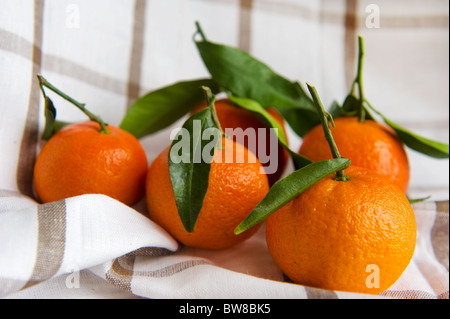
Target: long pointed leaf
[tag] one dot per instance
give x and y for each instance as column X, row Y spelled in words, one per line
column 162, row 107
column 241, row 74
column 189, row 171
column 416, row 142
column 288, row 188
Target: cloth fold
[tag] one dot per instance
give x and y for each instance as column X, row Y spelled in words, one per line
column 96, row 237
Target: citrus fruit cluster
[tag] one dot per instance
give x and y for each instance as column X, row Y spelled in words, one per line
column 340, row 221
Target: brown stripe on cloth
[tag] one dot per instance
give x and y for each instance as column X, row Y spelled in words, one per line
column 28, row 145
column 77, row 71
column 350, row 44
column 18, row 45
column 408, row 22
column 245, row 21
column 121, row 272
column 173, row 269
column 315, row 293
column 134, row 76
column 407, row 294
column 51, row 241
column 440, row 233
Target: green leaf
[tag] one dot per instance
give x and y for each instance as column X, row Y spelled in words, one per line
column 416, row 142
column 288, row 188
column 190, row 164
column 52, row 125
column 418, row 200
column 241, row 74
column 335, row 109
column 162, row 107
column 269, row 121
column 50, row 116
column 350, row 107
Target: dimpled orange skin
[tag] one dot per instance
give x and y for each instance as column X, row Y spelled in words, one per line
column 331, row 233
column 234, row 189
column 369, row 144
column 80, row 160
column 234, row 117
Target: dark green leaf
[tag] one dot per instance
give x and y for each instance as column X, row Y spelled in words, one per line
column 418, row 143
column 288, row 188
column 160, row 108
column 50, row 116
column 59, row 125
column 190, row 163
column 51, row 124
column 244, row 76
column 349, row 108
column 335, row 109
column 269, row 121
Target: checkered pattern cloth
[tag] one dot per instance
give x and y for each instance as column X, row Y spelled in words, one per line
column 107, row 53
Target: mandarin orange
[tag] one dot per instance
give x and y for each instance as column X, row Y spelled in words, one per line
column 357, row 235
column 80, row 160
column 368, row 144
column 234, row 189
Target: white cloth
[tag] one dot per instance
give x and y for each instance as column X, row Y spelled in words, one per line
column 65, row 249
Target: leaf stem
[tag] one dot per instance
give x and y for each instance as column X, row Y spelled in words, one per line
column 361, row 111
column 43, row 82
column 200, row 31
column 324, row 118
column 210, row 100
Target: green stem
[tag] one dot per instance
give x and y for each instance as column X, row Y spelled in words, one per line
column 200, row 31
column 43, row 82
column 362, row 113
column 324, row 118
column 210, row 100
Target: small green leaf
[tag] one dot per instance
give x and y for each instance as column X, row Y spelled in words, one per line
column 416, row 142
column 190, row 164
column 288, row 188
column 52, row 125
column 50, row 116
column 335, row 109
column 162, row 107
column 350, row 107
column 418, row 200
column 270, row 122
